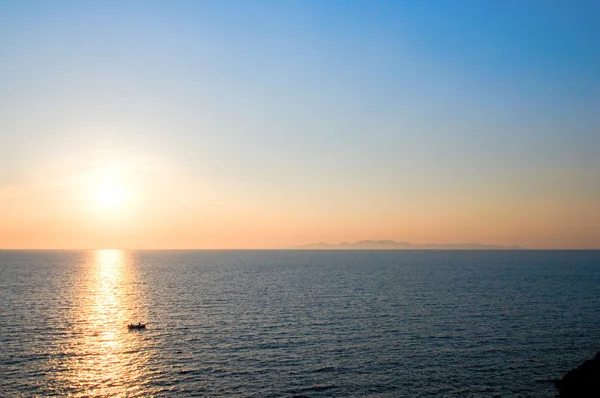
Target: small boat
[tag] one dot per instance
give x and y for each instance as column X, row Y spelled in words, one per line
column 139, row 325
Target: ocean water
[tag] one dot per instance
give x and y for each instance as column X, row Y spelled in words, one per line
column 295, row 323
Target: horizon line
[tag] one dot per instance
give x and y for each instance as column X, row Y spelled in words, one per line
column 306, row 250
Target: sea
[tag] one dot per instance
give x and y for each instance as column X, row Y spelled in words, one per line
column 295, row 323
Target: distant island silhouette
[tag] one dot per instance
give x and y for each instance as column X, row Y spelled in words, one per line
column 392, row 245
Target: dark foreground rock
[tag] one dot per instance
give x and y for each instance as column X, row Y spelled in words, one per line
column 581, row 382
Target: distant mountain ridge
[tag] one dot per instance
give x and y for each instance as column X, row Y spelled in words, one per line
column 392, row 245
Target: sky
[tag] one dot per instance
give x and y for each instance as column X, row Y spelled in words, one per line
column 266, row 124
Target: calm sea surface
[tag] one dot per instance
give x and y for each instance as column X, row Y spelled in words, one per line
column 295, row 323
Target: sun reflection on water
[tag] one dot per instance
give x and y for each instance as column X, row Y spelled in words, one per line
column 104, row 358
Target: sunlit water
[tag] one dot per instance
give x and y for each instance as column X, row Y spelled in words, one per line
column 291, row 323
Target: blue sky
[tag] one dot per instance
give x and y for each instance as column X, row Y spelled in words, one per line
column 322, row 105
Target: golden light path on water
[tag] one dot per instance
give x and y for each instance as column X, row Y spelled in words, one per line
column 104, row 358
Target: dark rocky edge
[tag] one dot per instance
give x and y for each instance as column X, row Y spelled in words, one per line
column 581, row 382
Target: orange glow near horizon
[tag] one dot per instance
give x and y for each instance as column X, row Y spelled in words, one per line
column 140, row 206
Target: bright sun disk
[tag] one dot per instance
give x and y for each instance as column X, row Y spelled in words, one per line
column 111, row 195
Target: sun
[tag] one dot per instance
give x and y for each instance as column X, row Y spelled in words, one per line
column 111, row 195
column 109, row 190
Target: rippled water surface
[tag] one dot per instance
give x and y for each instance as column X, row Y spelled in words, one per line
column 295, row 323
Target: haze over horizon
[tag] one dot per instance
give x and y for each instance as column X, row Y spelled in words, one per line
column 269, row 124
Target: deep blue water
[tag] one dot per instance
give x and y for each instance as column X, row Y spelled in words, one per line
column 295, row 323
